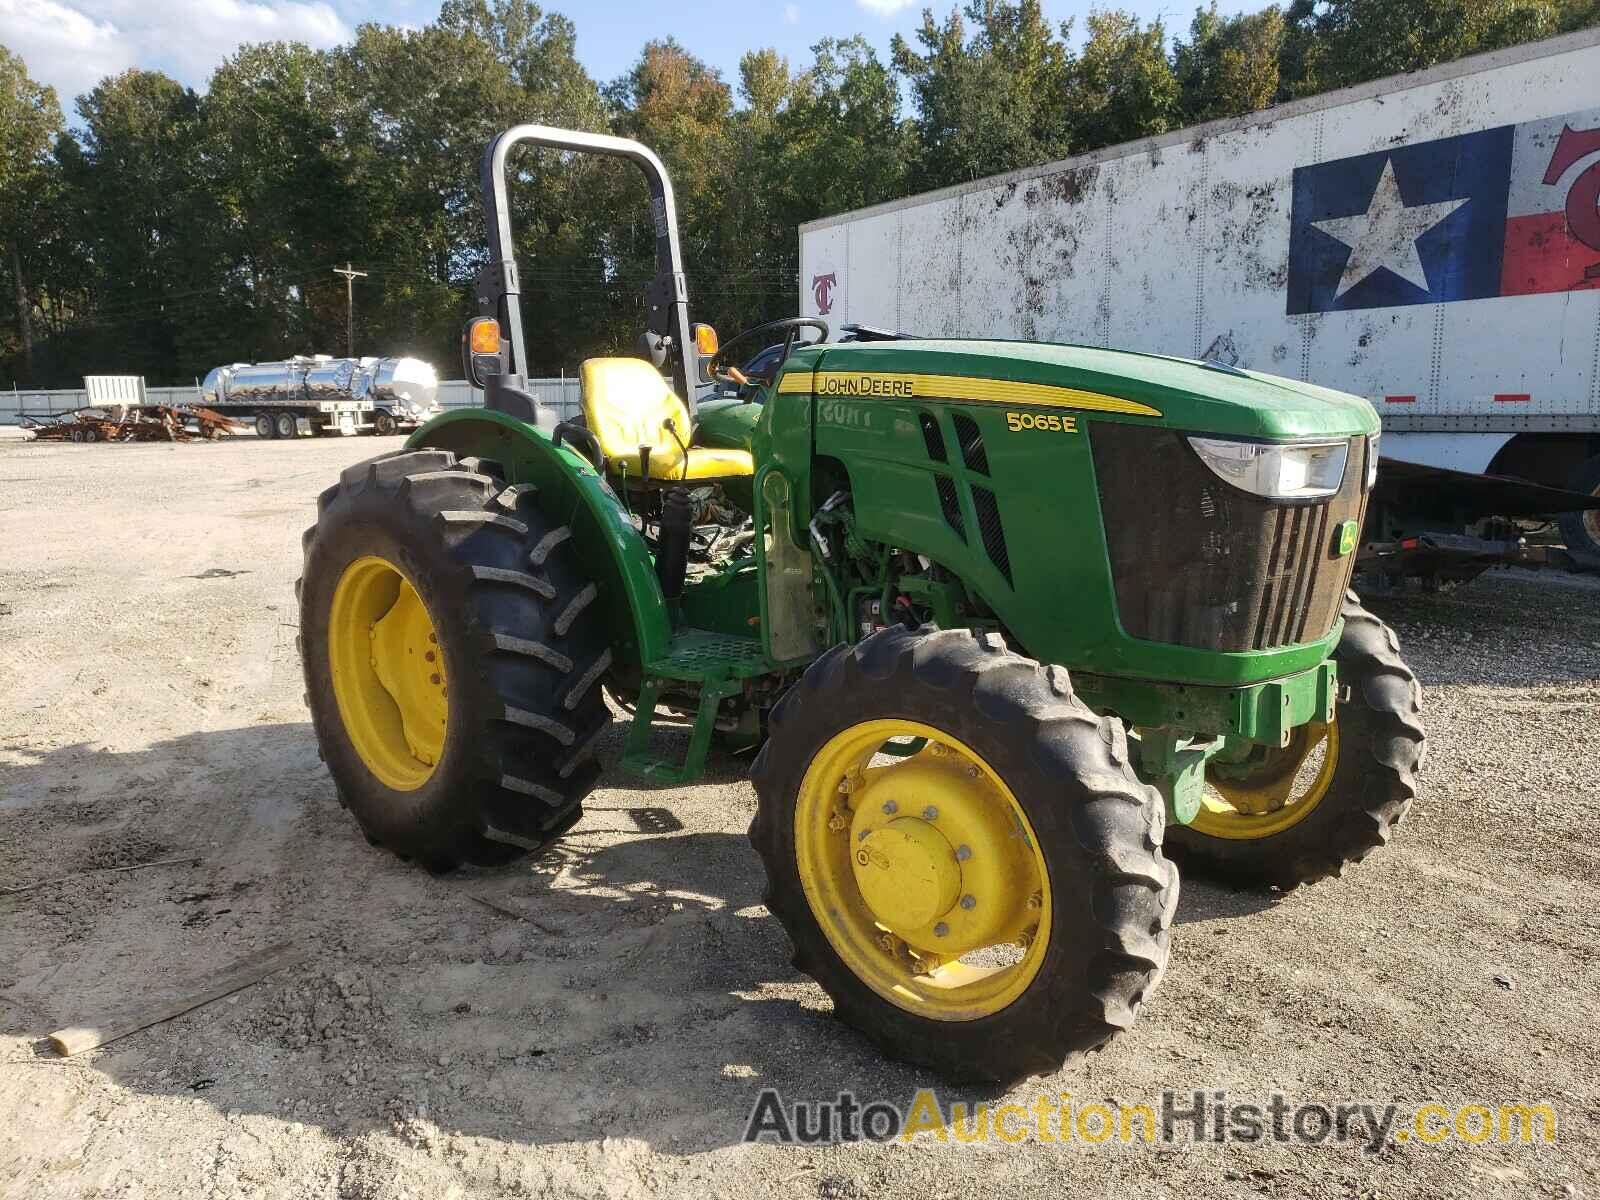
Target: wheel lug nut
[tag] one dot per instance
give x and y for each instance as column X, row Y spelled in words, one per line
column 887, row 941
column 434, row 678
column 433, row 638
column 430, row 656
column 973, row 771
column 863, row 857
column 1036, row 901
column 941, row 929
column 963, row 853
column 969, row 902
column 1025, row 938
column 890, row 807
column 937, row 749
column 836, row 823
column 930, row 813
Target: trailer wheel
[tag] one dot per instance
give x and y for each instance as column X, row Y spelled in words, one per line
column 384, row 425
column 285, row 423
column 76, row 435
column 266, row 427
column 1581, row 530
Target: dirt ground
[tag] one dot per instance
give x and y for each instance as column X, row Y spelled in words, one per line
column 613, row 1042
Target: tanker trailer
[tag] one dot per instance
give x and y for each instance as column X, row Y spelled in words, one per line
column 404, row 392
column 314, row 394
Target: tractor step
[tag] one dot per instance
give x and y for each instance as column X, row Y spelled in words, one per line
column 700, row 654
column 719, row 663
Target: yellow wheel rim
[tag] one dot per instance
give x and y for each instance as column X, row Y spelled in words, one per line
column 388, row 673
column 1270, row 799
column 923, row 871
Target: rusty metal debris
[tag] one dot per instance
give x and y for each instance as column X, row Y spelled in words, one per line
column 133, row 423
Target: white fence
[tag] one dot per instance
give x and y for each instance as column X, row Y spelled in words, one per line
column 560, row 393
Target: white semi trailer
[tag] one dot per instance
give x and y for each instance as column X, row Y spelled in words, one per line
column 1429, row 241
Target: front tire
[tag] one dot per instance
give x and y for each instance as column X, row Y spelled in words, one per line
column 1264, row 829
column 1019, row 826
column 453, row 660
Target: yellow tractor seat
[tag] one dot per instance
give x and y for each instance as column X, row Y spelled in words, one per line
column 627, row 404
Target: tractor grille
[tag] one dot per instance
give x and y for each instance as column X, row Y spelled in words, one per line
column 932, row 438
column 1197, row 562
column 991, row 530
column 950, row 505
column 971, row 438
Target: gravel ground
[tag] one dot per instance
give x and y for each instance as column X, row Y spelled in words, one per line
column 603, row 1025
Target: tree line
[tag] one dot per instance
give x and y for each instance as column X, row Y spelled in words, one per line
column 166, row 230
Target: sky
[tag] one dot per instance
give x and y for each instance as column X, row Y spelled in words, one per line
column 72, row 44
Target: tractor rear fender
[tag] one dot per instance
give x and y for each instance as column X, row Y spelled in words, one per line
column 572, row 494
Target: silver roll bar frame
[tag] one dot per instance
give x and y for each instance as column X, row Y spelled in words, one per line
column 668, row 294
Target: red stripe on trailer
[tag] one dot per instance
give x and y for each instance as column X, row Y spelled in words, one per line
column 1512, row 397
column 1399, row 399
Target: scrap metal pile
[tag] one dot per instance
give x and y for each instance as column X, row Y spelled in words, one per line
column 133, row 423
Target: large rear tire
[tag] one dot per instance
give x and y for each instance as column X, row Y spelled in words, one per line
column 989, row 904
column 1293, row 821
column 453, row 660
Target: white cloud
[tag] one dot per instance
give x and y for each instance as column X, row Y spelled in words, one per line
column 62, row 46
column 885, row 8
column 72, row 44
column 791, row 14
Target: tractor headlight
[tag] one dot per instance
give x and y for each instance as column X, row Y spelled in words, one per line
column 1277, row 470
column 1372, row 460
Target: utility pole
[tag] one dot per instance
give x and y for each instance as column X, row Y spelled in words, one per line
column 350, row 277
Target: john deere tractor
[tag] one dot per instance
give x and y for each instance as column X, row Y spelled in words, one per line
column 1008, row 622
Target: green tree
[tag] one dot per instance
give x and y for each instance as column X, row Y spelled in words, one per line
column 1123, row 87
column 1229, row 65
column 1335, row 43
column 278, row 201
column 30, row 119
column 843, row 142
column 989, row 103
column 142, row 201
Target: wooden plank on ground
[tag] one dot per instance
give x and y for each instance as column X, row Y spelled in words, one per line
column 75, row 1039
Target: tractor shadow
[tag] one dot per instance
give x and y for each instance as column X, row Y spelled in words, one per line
column 626, row 983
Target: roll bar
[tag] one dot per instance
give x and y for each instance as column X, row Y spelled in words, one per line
column 499, row 293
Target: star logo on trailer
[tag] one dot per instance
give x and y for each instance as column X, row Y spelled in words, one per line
column 1384, row 238
column 822, row 291
column 1417, row 224
column 1510, row 211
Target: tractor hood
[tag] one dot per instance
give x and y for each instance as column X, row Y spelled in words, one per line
column 1196, row 397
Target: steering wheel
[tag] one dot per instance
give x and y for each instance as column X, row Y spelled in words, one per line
column 723, row 370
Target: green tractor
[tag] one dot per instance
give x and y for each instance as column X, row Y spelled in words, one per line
column 1008, row 622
